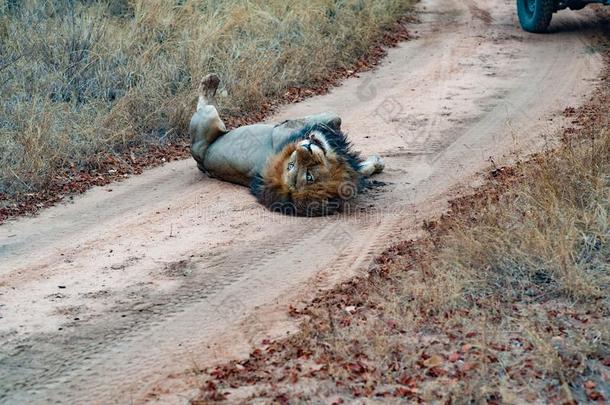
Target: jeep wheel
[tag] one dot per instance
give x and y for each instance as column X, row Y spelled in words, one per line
column 535, row 15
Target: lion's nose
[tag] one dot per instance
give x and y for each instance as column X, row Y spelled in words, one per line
column 308, row 147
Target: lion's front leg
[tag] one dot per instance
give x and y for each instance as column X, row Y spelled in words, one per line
column 373, row 165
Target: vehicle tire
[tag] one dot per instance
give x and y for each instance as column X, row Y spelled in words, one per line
column 535, row 15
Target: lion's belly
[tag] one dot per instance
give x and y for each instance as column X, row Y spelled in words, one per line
column 240, row 154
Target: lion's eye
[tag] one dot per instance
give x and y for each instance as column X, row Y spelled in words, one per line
column 309, row 177
column 290, row 165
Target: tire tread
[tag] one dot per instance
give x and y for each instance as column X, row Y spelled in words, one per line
column 541, row 19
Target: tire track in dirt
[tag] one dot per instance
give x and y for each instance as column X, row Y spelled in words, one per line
column 135, row 323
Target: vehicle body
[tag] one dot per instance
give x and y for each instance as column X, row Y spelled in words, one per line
column 535, row 15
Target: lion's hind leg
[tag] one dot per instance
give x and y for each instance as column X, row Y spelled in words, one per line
column 207, row 90
column 373, row 165
column 206, row 125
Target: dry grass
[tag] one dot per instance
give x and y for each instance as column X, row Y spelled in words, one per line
column 523, row 279
column 79, row 78
column 548, row 238
column 505, row 302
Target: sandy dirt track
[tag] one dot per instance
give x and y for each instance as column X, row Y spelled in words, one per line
column 101, row 300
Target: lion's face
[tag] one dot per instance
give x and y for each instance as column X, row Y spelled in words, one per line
column 308, row 177
column 311, row 161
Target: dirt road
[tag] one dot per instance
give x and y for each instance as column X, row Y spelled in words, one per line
column 103, row 299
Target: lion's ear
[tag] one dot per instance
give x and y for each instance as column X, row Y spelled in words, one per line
column 272, row 196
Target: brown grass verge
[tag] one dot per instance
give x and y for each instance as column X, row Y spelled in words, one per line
column 505, row 301
column 94, row 91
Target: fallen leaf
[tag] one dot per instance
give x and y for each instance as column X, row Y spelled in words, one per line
column 433, row 361
column 350, row 309
column 436, row 372
column 455, row 356
column 595, row 396
column 404, row 392
column 356, row 368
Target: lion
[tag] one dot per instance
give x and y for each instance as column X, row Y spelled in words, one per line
column 302, row 167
